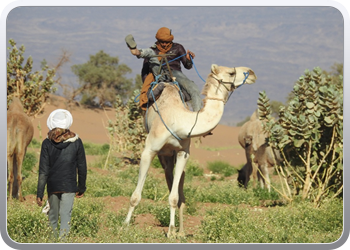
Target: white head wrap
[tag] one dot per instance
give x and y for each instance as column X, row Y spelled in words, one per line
column 60, row 118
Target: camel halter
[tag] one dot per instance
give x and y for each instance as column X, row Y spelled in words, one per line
column 233, row 86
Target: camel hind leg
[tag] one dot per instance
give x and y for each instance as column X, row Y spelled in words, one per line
column 168, row 163
column 10, row 163
column 176, row 197
column 10, row 176
column 19, row 160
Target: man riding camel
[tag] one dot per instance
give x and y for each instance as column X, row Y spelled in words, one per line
column 152, row 68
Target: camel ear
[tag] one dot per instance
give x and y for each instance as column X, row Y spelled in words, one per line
column 214, row 69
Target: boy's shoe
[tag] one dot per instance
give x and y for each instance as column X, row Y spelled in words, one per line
column 130, row 41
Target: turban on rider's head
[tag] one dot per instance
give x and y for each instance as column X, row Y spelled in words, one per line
column 164, row 34
column 59, row 118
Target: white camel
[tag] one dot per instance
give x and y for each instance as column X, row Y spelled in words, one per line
column 183, row 124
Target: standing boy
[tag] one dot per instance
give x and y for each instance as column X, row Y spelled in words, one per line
column 62, row 158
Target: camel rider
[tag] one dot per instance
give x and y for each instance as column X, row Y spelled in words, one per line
column 165, row 45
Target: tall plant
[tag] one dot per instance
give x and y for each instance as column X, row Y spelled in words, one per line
column 309, row 134
column 32, row 88
column 127, row 131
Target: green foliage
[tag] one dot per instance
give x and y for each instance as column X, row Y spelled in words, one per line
column 29, row 162
column 226, row 193
column 264, row 194
column 95, row 149
column 238, row 215
column 34, row 143
column 102, row 78
column 298, row 224
column 220, row 167
column 31, row 88
column 86, row 218
column 156, row 163
column 25, row 225
column 309, row 134
column 192, row 169
column 127, row 131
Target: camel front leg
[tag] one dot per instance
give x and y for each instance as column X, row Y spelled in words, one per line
column 182, row 158
column 146, row 159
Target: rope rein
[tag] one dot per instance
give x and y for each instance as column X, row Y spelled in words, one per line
column 233, row 87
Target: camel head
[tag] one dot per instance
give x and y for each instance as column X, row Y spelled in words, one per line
column 233, row 77
column 223, row 80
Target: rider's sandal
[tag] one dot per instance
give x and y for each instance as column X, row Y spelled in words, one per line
column 130, row 41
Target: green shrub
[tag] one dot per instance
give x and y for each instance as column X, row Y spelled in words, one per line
column 29, row 185
column 86, row 218
column 30, row 160
column 264, row 194
column 154, row 189
column 220, row 167
column 156, row 163
column 96, row 149
column 225, row 192
column 301, row 223
column 27, row 226
column 192, row 169
column 34, row 144
column 309, row 133
column 100, row 185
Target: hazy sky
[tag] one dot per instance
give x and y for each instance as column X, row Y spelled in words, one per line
column 278, row 43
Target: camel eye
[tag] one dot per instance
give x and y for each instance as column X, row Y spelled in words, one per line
column 232, row 73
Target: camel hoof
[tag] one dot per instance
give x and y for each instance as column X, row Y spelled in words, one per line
column 171, row 233
column 181, row 234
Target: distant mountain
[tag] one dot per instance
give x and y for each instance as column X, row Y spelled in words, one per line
column 278, row 43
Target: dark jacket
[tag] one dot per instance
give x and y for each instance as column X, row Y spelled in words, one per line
column 59, row 165
column 178, row 50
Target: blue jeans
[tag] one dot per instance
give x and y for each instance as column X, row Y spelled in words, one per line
column 61, row 205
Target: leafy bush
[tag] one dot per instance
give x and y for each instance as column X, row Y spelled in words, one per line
column 156, row 163
column 226, row 193
column 192, row 169
column 300, row 223
column 86, row 218
column 220, row 167
column 264, row 194
column 34, row 143
column 25, row 225
column 127, row 131
column 30, row 160
column 31, row 88
column 309, row 134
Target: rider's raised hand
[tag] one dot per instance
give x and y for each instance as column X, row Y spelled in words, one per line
column 188, row 55
column 135, row 52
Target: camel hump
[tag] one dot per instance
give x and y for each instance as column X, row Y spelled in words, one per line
column 16, row 105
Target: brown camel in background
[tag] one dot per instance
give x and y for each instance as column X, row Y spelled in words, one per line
column 19, row 134
column 253, row 139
